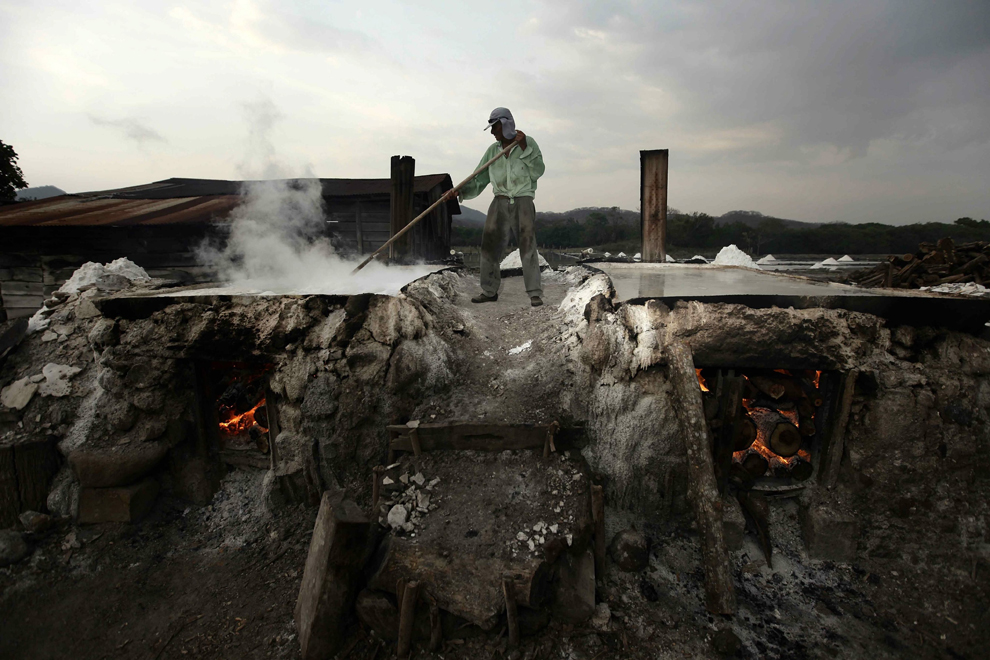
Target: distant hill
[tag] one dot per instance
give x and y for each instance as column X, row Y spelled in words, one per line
column 469, row 218
column 38, row 192
column 581, row 214
column 754, row 218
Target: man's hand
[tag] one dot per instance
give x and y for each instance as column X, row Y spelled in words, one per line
column 521, row 139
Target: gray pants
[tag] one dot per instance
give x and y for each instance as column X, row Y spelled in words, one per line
column 517, row 218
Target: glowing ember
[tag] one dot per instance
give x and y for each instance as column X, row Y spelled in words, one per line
column 239, row 424
column 701, row 381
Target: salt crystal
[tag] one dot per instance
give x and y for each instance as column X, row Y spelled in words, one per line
column 532, row 546
column 387, row 481
column 419, row 478
column 404, row 478
column 521, row 536
column 570, row 538
column 553, row 528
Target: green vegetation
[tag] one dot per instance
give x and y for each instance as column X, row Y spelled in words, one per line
column 613, row 230
column 11, row 176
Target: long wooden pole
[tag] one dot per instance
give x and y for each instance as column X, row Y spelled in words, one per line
column 445, row 197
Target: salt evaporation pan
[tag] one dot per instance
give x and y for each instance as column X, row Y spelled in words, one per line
column 846, row 258
column 515, row 261
column 730, row 255
column 767, row 259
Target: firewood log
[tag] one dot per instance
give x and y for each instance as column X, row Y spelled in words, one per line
column 780, row 435
column 745, row 434
column 755, row 464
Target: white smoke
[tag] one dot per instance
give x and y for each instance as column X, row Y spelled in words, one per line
column 278, row 239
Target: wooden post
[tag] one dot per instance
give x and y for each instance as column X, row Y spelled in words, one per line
column 720, row 595
column 511, row 613
column 403, row 175
column 598, row 518
column 407, row 614
column 653, row 204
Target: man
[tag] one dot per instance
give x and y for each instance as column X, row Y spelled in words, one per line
column 513, row 180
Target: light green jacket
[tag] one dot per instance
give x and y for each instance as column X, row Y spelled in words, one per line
column 511, row 177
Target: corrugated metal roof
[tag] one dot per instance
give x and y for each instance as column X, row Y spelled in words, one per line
column 178, row 201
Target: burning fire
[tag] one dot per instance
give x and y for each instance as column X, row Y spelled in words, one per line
column 239, row 424
column 701, row 381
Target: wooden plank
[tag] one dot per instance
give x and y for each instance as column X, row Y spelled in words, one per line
column 338, row 550
column 653, row 204
column 479, row 437
column 720, row 596
column 828, row 474
column 15, row 288
column 10, row 500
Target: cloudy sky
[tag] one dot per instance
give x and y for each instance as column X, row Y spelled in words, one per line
column 856, row 111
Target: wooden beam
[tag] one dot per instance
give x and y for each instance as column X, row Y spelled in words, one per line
column 720, row 595
column 653, row 204
column 482, row 437
column 403, row 185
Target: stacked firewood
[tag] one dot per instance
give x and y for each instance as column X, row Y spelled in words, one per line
column 933, row 264
column 774, row 423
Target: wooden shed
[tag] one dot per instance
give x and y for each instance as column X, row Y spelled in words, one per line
column 159, row 226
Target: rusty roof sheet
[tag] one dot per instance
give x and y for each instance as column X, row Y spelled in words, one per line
column 178, row 201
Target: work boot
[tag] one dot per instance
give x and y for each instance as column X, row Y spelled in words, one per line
column 535, row 301
column 482, row 298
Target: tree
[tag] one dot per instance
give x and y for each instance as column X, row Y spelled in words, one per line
column 11, row 176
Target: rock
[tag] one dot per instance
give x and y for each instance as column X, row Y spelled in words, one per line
column 18, row 394
column 418, row 479
column 575, row 601
column 532, row 621
column 142, row 375
column 87, row 310
column 63, row 496
column 35, row 522
column 630, row 550
column 57, row 377
column 12, row 547
column 726, row 642
column 829, row 533
column 48, row 336
column 105, row 468
column 121, row 504
column 321, row 396
column 601, row 617
column 105, row 333
column 339, row 548
column 397, row 516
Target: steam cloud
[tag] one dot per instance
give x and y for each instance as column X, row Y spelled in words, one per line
column 278, row 241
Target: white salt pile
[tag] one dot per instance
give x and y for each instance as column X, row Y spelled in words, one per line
column 608, row 254
column 638, row 256
column 846, row 258
column 621, row 254
column 769, row 259
column 90, row 272
column 730, row 255
column 670, row 259
column 698, row 257
column 515, row 261
column 828, row 263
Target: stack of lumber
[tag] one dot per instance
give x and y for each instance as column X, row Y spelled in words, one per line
column 931, row 265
